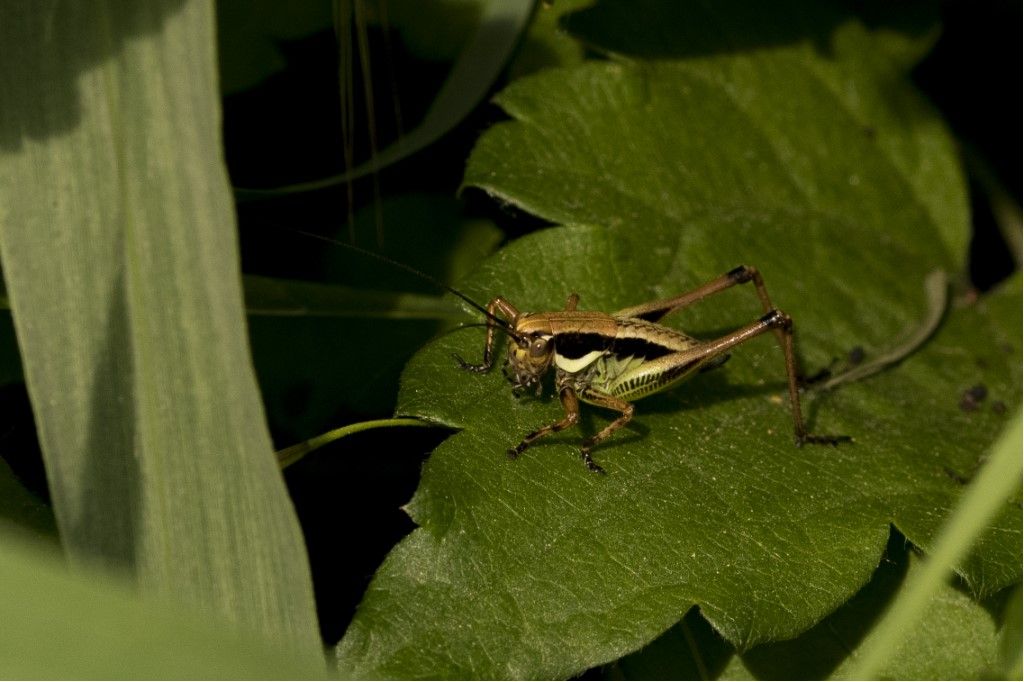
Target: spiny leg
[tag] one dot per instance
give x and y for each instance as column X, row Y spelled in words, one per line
column 571, row 405
column 781, row 323
column 793, row 380
column 612, row 403
column 655, row 310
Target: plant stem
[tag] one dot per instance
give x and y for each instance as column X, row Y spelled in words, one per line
column 292, row 454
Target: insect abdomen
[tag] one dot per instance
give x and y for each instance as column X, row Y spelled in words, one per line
column 647, row 380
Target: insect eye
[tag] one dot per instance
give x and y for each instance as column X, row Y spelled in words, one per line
column 540, row 347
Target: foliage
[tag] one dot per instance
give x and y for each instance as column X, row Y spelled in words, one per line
column 637, row 149
column 121, row 268
column 670, row 171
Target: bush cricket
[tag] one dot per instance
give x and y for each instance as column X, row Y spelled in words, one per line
column 611, row 360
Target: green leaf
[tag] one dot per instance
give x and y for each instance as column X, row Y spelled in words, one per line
column 669, row 173
column 785, row 59
column 57, row 625
column 997, row 480
column 538, row 568
column 119, row 254
column 1009, row 659
column 955, row 639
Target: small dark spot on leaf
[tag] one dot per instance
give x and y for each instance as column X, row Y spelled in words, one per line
column 819, row 376
column 999, row 407
column 856, row 355
column 869, row 132
column 960, row 480
column 973, row 397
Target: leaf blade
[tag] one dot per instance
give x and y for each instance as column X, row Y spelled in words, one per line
column 122, row 268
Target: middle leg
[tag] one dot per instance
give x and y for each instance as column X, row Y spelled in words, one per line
column 571, row 405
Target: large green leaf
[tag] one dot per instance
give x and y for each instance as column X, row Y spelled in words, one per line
column 776, row 63
column 121, row 265
column 538, row 568
column 672, row 172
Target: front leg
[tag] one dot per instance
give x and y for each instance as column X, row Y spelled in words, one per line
column 571, row 405
column 497, row 305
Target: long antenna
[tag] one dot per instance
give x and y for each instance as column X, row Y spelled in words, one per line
column 408, row 268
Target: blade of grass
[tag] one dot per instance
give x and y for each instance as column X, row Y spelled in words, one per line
column 120, row 258
column 1010, row 640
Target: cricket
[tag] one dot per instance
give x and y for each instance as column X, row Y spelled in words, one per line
column 610, row 360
